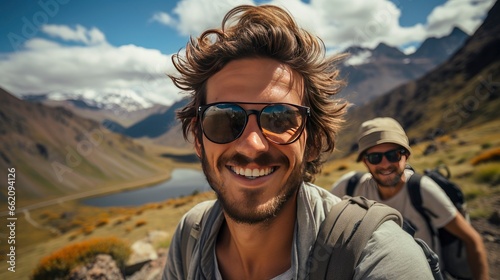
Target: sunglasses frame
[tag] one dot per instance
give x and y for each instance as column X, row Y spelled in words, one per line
column 401, row 152
column 303, row 110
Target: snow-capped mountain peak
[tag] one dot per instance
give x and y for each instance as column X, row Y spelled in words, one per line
column 122, row 100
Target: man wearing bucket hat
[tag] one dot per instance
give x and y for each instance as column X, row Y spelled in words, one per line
column 384, row 148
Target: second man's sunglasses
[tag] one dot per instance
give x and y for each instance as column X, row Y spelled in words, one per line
column 392, row 156
column 280, row 123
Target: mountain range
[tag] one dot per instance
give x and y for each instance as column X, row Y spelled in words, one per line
column 119, row 108
column 371, row 73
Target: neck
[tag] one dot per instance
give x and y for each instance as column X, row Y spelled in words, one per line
column 260, row 251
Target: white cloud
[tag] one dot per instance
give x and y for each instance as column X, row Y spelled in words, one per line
column 341, row 23
column 44, row 66
column 164, row 19
column 192, row 17
column 39, row 43
column 409, row 50
column 360, row 58
column 79, row 34
column 467, row 15
column 197, row 15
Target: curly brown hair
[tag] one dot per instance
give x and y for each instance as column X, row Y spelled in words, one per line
column 266, row 31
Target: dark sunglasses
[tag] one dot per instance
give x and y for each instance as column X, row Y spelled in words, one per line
column 392, row 156
column 280, row 123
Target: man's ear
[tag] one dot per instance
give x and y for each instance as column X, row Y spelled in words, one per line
column 197, row 144
column 197, row 147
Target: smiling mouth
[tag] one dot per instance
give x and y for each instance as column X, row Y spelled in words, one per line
column 252, row 173
column 386, row 172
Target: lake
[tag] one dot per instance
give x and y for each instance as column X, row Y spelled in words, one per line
column 183, row 182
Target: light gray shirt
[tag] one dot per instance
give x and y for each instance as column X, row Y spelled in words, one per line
column 389, row 254
column 434, row 199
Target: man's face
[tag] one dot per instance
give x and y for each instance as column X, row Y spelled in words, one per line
column 386, row 173
column 276, row 170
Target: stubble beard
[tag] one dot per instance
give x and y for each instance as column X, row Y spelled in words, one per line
column 390, row 182
column 251, row 210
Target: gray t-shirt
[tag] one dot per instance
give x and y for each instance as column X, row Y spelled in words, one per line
column 434, row 199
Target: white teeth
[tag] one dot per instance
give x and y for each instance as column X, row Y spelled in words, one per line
column 252, row 173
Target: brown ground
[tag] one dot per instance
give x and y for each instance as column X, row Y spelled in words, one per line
column 491, row 237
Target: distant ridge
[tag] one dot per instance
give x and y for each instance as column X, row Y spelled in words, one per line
column 157, row 124
column 439, row 49
column 382, row 69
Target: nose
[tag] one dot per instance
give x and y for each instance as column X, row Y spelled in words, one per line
column 385, row 161
column 252, row 141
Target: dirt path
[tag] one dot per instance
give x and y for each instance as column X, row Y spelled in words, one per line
column 491, row 237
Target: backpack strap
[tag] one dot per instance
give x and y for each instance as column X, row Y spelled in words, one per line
column 344, row 234
column 191, row 232
column 413, row 187
column 353, row 183
column 432, row 259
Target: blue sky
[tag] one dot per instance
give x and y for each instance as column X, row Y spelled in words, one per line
column 124, row 46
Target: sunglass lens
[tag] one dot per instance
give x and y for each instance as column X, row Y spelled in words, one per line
column 393, row 156
column 281, row 123
column 374, row 158
column 222, row 123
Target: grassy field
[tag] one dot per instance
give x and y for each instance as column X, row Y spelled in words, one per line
column 50, row 228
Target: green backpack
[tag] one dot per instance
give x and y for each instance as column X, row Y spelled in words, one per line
column 342, row 237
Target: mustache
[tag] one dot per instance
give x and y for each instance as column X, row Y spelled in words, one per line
column 262, row 159
column 382, row 170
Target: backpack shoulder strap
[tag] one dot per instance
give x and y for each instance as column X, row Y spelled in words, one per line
column 353, row 183
column 415, row 194
column 413, row 186
column 191, row 231
column 344, row 234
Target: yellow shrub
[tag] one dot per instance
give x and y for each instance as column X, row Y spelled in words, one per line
column 102, row 222
column 487, row 156
column 60, row 263
column 140, row 223
column 87, row 229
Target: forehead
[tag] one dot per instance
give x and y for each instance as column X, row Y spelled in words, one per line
column 255, row 80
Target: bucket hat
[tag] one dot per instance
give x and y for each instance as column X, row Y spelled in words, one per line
column 379, row 131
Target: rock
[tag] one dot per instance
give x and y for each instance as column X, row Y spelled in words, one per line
column 151, row 271
column 431, row 148
column 156, row 236
column 102, row 268
column 494, row 218
column 142, row 251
